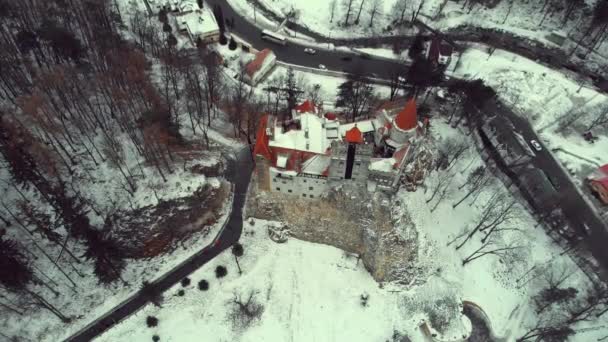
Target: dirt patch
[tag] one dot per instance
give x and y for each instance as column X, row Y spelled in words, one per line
column 349, row 218
column 153, row 230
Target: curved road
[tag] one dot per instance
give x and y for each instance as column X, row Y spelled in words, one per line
column 237, row 172
column 579, row 213
column 293, row 52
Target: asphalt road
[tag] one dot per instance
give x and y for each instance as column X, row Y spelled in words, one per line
column 238, row 172
column 579, row 214
column 293, row 53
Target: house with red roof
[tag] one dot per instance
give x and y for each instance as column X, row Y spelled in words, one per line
column 598, row 182
column 261, row 64
column 314, row 151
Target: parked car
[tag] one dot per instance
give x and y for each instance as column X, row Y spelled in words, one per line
column 322, row 67
column 310, row 51
column 536, row 145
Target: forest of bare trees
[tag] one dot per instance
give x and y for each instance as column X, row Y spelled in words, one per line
column 75, row 96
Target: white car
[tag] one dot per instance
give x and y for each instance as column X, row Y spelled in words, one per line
column 310, row 51
column 536, row 145
column 322, row 67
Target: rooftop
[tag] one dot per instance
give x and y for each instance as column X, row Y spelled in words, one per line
column 197, row 22
column 407, row 118
column 258, row 61
column 311, row 137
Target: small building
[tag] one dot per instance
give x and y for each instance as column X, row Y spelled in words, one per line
column 197, row 24
column 509, row 144
column 439, row 52
column 598, row 182
column 260, row 66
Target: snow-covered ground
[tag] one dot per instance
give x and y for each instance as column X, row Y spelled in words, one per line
column 312, row 292
column 548, row 99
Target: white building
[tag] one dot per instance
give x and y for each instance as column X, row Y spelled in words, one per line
column 197, row 24
column 312, row 152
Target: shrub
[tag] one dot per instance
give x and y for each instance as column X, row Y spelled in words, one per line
column 151, row 321
column 185, row 282
column 203, row 285
column 155, row 338
column 151, row 293
column 221, row 271
column 181, row 293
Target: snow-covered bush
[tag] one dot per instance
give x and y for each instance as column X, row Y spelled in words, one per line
column 151, row 321
column 203, row 285
column 185, row 282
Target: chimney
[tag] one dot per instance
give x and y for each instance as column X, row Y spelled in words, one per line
column 350, row 160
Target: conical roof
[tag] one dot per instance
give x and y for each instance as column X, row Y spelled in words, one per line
column 354, row 135
column 407, row 118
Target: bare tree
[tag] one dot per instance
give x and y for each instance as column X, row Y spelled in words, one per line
column 348, row 4
column 477, row 180
column 552, row 292
column 244, row 313
column 497, row 211
column 359, row 12
column 491, row 246
column 399, row 9
column 440, row 187
column 375, row 9
column 332, row 10
column 356, row 94
column 600, row 119
column 450, row 152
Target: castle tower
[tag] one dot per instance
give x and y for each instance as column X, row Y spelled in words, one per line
column 353, row 137
column 263, row 155
column 404, row 124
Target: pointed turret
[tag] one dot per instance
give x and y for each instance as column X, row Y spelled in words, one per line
column 407, row 118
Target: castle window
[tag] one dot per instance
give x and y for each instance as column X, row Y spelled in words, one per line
column 310, row 188
column 303, row 195
column 278, row 189
column 311, row 196
column 289, row 190
column 341, row 163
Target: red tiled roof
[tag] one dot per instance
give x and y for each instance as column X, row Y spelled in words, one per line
column 602, row 181
column 407, row 118
column 330, row 116
column 261, row 142
column 257, row 62
column 306, row 107
column 604, row 169
column 399, row 154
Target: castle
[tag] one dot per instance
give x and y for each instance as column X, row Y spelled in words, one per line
column 310, row 152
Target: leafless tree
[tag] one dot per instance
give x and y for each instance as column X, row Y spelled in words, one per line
column 399, row 9
column 359, row 12
column 375, row 9
column 450, row 151
column 497, row 211
column 348, row 4
column 440, row 187
column 244, row 313
column 600, row 119
column 552, row 293
column 492, row 246
column 556, row 324
column 477, row 180
column 416, row 11
column 332, row 10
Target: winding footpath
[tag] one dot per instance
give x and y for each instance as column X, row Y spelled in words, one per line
column 238, row 172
